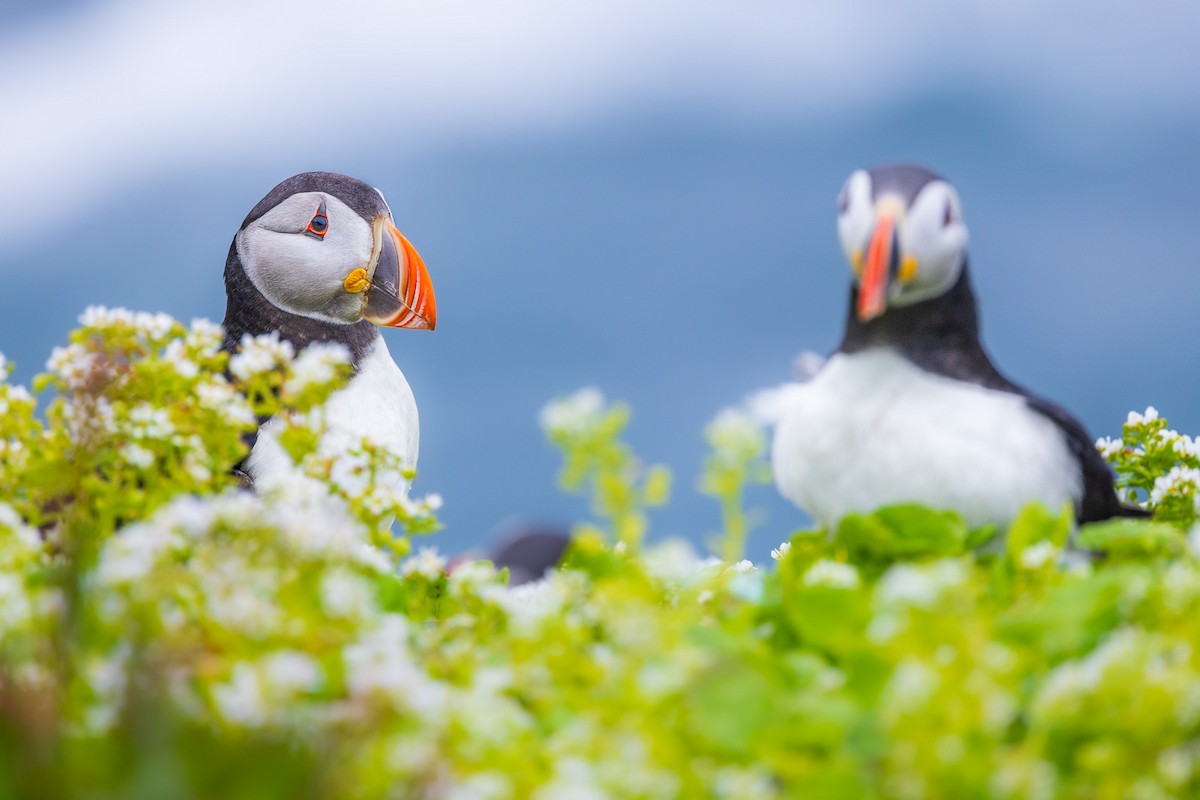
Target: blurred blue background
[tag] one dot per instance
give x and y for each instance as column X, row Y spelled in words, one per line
column 634, row 196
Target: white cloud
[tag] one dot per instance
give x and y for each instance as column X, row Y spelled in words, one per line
column 111, row 93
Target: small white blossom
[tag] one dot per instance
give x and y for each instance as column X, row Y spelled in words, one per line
column 205, row 336
column 426, row 562
column 155, row 326
column 380, row 664
column 1039, row 555
column 260, row 354
column 1109, row 447
column 138, row 456
column 345, row 594
column 102, row 317
column 73, row 363
column 1178, row 481
column 735, row 435
column 292, row 672
column 148, row 422
column 1135, row 418
column 317, row 365
column 919, row 585
column 743, row 567
column 781, row 551
column 241, row 699
column 834, row 574
column 175, row 353
column 572, row 414
column 218, row 396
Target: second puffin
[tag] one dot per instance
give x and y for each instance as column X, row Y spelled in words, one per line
column 910, row 409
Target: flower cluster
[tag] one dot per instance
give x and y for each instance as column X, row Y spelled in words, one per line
column 1157, row 467
column 163, row 633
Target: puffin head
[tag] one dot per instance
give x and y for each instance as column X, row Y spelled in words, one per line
column 324, row 246
column 902, row 230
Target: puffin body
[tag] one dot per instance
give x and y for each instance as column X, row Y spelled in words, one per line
column 320, row 260
column 376, row 404
column 911, row 409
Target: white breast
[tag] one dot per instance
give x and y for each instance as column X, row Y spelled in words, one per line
column 377, row 404
column 872, row 429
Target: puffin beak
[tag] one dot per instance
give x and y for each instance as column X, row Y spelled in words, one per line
column 400, row 294
column 882, row 261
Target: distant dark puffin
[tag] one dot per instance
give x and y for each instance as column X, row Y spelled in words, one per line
column 319, row 259
column 910, row 407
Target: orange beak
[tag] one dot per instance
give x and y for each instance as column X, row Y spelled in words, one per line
column 882, row 253
column 401, row 294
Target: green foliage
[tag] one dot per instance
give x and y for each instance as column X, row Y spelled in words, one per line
column 165, row 634
column 738, row 446
column 597, row 462
column 1158, row 466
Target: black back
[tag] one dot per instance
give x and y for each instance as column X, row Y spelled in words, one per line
column 941, row 336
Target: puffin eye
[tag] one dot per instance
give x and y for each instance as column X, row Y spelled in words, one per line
column 948, row 216
column 319, row 224
column 843, row 201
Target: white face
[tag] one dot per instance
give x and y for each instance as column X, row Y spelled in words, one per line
column 930, row 232
column 299, row 269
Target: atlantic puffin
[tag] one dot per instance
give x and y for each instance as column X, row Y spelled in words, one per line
column 910, row 409
column 319, row 259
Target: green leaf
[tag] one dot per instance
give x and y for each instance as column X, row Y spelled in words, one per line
column 1131, row 538
column 1036, row 523
column 903, row 531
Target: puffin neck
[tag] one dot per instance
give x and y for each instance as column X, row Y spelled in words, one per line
column 248, row 311
column 939, row 335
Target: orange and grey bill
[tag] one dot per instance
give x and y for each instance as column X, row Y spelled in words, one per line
column 401, row 294
column 420, row 309
column 872, row 288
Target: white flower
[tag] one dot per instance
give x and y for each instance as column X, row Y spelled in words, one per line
column 426, row 562
column 241, row 699
column 781, row 551
column 107, row 677
column 216, row 395
column 148, row 422
column 345, row 594
column 675, row 563
column 73, row 363
column 1109, row 447
column 138, row 456
column 743, row 567
column 1178, row 481
column 910, row 584
column 911, row 686
column 379, row 664
column 317, row 365
column 1135, row 418
column 574, row 413
column 102, row 317
column 155, row 326
column 735, row 435
column 205, row 336
column 1038, row 555
column 292, row 672
column 260, row 354
column 833, row 574
column 176, row 354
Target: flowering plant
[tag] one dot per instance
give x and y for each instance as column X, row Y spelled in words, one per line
column 165, row 633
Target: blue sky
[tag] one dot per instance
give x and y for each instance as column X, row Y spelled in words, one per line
column 629, row 195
